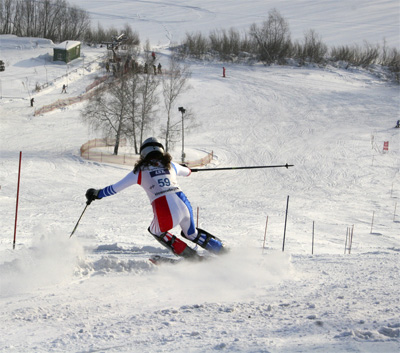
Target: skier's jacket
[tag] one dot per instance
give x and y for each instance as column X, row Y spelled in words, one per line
column 156, row 180
column 170, row 205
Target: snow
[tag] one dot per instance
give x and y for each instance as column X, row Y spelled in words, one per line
column 67, row 44
column 97, row 291
column 337, row 22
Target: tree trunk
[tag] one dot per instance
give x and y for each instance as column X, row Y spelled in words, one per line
column 116, row 146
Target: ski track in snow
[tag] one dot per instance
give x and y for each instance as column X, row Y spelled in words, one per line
column 274, row 294
column 70, row 303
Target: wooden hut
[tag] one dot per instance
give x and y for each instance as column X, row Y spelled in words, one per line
column 67, row 51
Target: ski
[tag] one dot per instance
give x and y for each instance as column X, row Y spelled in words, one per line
column 158, row 260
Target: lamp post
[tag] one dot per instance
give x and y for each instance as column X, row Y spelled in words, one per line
column 66, row 58
column 183, row 111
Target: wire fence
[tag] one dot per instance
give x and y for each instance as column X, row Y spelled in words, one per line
column 60, row 103
column 74, row 69
column 88, row 151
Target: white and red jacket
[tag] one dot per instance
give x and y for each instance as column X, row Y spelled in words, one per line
column 170, row 205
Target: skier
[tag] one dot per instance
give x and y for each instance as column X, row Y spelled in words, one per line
column 156, row 173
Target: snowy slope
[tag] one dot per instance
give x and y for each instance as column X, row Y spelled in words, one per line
column 165, row 22
column 97, row 292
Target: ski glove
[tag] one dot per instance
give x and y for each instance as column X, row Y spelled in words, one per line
column 91, row 195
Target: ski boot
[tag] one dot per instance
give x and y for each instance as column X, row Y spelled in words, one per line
column 177, row 246
column 208, row 241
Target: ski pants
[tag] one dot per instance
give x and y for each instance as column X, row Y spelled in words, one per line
column 170, row 211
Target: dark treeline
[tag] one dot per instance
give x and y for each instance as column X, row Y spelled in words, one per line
column 56, row 20
column 271, row 43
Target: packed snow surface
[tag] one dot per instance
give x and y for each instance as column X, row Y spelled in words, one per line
column 97, row 291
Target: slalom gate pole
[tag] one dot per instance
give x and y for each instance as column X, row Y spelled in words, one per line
column 312, row 246
column 76, row 225
column 284, row 232
column 372, row 222
column 265, row 234
column 16, row 207
column 237, row 168
column 351, row 232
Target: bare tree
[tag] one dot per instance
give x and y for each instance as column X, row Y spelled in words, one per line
column 142, row 100
column 356, row 55
column 7, row 10
column 273, row 38
column 174, row 82
column 77, row 23
column 312, row 50
column 55, row 20
column 52, row 13
column 195, row 44
column 391, row 59
column 133, row 108
column 149, row 101
column 108, row 111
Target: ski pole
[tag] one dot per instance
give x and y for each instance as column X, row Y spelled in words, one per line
column 236, row 168
column 76, row 226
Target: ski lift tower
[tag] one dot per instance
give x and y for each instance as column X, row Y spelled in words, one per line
column 116, row 42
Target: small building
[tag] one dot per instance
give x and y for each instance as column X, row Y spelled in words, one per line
column 67, row 51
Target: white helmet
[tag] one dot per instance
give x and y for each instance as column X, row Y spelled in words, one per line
column 150, row 145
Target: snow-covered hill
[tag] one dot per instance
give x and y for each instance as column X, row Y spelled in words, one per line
column 97, row 292
column 338, row 22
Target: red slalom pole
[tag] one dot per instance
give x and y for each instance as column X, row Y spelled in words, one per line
column 16, row 207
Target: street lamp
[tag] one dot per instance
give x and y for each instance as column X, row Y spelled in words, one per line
column 183, row 111
column 66, row 58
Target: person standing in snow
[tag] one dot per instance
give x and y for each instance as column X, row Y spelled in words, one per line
column 156, row 174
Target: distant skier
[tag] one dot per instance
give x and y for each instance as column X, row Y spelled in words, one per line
column 398, row 124
column 32, row 101
column 64, row 89
column 156, row 174
column 159, row 67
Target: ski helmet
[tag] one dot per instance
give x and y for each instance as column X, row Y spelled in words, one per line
column 151, row 145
